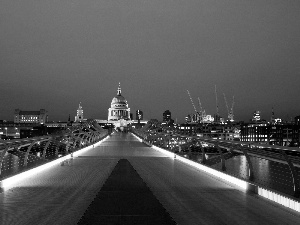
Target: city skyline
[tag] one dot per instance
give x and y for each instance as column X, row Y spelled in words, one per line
column 53, row 56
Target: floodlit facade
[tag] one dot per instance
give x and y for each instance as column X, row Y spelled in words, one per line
column 279, row 134
column 119, row 109
column 79, row 116
column 40, row 117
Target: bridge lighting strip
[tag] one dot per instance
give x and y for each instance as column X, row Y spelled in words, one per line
column 223, row 176
column 140, row 139
column 13, row 181
column 170, row 154
column 282, row 200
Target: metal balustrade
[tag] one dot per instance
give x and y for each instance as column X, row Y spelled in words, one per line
column 221, row 155
column 17, row 156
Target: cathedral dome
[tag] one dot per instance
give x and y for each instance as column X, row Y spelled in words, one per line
column 119, row 99
column 119, row 108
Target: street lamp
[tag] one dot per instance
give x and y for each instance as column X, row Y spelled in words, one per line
column 6, row 130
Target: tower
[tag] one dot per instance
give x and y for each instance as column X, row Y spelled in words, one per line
column 79, row 116
column 273, row 116
column 139, row 115
column 166, row 116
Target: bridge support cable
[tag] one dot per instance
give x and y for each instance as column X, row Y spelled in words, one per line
column 45, row 149
column 90, row 137
column 87, row 138
column 294, row 173
column 56, row 149
column 83, row 140
column 28, row 150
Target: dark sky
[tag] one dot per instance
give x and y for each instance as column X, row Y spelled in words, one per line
column 56, row 53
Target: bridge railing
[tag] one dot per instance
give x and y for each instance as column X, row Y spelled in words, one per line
column 20, row 155
column 234, row 158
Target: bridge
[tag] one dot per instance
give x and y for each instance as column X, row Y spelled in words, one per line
column 87, row 175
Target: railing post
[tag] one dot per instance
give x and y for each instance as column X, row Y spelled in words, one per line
column 222, row 158
column 56, row 149
column 27, row 152
column 45, row 149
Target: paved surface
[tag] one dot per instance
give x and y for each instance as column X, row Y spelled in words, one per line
column 125, row 199
column 65, row 194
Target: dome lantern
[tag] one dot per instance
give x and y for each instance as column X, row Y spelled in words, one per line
column 119, row 89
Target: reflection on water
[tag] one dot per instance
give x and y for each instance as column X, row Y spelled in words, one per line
column 267, row 173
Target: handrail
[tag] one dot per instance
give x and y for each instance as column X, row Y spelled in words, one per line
column 157, row 138
column 67, row 142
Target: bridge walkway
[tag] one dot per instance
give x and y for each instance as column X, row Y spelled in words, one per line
column 83, row 192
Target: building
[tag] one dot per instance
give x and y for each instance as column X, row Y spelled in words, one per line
column 40, row 117
column 297, row 120
column 79, row 116
column 139, row 115
column 166, row 116
column 278, row 134
column 119, row 108
column 119, row 112
column 256, row 116
column 230, row 132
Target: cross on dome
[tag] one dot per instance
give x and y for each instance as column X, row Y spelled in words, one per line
column 119, row 89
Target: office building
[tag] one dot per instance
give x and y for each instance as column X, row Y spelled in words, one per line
column 40, row 117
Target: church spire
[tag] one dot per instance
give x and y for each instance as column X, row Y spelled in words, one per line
column 119, row 89
column 79, row 116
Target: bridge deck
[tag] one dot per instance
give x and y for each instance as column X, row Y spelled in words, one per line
column 180, row 193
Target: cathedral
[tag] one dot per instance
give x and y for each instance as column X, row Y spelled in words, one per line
column 119, row 113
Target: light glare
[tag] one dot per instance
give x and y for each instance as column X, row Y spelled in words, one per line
column 13, row 181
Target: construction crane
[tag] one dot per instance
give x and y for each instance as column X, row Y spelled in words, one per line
column 201, row 111
column 230, row 117
column 229, row 111
column 192, row 102
column 217, row 107
column 200, row 105
column 226, row 103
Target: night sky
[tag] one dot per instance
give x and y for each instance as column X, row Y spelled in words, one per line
column 57, row 53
